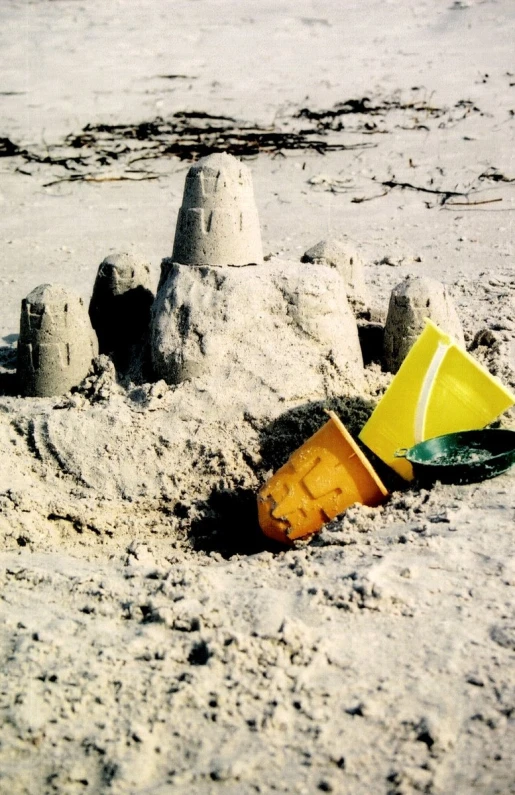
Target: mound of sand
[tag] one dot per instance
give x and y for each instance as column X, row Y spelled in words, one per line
column 257, row 339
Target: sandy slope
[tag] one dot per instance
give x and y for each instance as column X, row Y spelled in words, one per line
column 150, row 640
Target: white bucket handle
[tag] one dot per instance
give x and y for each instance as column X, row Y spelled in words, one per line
column 426, row 389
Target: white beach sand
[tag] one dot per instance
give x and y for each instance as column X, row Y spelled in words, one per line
column 151, row 640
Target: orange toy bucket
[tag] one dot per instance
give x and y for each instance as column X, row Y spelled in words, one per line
column 320, row 480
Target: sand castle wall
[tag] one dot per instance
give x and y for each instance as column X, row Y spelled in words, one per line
column 258, row 335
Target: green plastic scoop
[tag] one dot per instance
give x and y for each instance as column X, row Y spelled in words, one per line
column 465, row 457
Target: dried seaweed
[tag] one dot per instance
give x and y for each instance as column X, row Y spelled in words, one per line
column 474, row 203
column 331, row 119
column 445, row 194
column 9, row 149
column 361, row 199
column 103, row 178
column 177, row 77
column 341, row 109
column 495, row 176
column 189, row 135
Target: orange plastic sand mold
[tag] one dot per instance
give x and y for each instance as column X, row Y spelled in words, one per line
column 321, row 479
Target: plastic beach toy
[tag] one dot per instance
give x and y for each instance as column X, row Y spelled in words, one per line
column 439, row 389
column 465, row 457
column 322, row 478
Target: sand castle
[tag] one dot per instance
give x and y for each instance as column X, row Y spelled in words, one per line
column 411, row 302
column 278, row 330
column 347, row 262
column 255, row 335
column 120, row 306
column 251, row 333
column 57, row 343
column 218, row 221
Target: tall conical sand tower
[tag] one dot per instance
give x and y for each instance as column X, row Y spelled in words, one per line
column 218, row 222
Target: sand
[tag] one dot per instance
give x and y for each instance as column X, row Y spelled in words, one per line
column 152, row 640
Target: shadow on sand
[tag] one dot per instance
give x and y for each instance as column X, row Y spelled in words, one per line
column 8, row 360
column 229, row 523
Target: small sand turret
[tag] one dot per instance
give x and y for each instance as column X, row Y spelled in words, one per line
column 57, row 343
column 218, row 222
column 349, row 265
column 120, row 305
column 411, row 302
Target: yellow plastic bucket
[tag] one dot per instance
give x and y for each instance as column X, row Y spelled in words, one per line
column 438, row 389
column 322, row 478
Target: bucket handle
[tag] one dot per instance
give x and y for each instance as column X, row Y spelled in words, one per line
column 427, row 388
